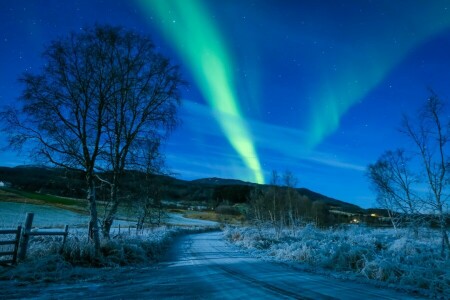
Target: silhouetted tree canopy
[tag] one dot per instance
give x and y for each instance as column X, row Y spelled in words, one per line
column 102, row 94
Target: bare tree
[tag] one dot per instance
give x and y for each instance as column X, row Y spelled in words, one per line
column 293, row 200
column 320, row 213
column 148, row 199
column 99, row 91
column 267, row 205
column 394, row 183
column 279, row 204
column 142, row 112
column 149, row 205
column 257, row 205
column 430, row 133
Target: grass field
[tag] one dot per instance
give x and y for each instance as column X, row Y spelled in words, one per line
column 15, row 203
column 14, row 195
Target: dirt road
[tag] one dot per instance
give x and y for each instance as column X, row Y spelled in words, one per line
column 204, row 266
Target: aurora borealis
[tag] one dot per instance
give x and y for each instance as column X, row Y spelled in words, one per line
column 379, row 47
column 197, row 40
column 314, row 87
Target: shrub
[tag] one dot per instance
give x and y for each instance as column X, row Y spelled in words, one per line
column 376, row 254
column 227, row 210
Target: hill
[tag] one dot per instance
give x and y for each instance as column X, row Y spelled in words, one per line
column 220, row 181
column 330, row 201
column 60, row 182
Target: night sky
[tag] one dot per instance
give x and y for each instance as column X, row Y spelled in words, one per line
column 314, row 87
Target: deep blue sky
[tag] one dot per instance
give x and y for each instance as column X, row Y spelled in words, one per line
column 319, row 87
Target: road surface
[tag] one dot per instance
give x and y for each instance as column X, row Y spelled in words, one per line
column 204, row 266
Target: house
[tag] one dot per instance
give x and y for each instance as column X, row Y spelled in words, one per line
column 4, row 184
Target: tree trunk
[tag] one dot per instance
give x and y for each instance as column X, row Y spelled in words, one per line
column 93, row 222
column 114, row 199
column 111, row 213
column 445, row 240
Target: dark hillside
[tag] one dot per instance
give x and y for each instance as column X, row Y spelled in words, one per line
column 220, row 181
column 211, row 191
column 330, row 201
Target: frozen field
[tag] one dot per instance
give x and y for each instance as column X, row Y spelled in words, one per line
column 13, row 214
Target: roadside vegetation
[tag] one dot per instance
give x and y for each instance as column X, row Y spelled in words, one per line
column 411, row 251
column 48, row 261
column 397, row 259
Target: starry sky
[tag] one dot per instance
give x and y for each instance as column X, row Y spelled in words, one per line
column 314, row 87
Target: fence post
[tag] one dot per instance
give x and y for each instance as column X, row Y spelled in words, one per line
column 66, row 232
column 16, row 244
column 25, row 236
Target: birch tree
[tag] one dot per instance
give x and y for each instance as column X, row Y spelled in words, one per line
column 430, row 133
column 142, row 111
column 396, row 184
column 99, row 91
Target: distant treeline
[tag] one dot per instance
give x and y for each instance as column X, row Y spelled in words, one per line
column 213, row 191
column 216, row 194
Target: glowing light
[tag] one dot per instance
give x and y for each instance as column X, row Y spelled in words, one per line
column 198, row 42
column 364, row 65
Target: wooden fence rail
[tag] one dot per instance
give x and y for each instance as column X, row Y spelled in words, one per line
column 22, row 238
column 15, row 243
column 27, row 233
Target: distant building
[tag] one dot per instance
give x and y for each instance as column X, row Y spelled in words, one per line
column 4, row 184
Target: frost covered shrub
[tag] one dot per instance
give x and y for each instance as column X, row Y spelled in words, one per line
column 122, row 249
column 412, row 262
column 226, row 210
column 125, row 250
column 378, row 254
column 381, row 269
column 44, row 269
column 251, row 238
column 77, row 251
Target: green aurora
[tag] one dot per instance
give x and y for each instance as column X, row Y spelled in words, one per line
column 199, row 43
column 376, row 50
column 344, row 76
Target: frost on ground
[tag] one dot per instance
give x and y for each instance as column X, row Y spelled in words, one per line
column 13, row 214
column 397, row 259
column 48, row 261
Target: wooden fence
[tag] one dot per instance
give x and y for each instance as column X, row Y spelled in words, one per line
column 14, row 244
column 22, row 238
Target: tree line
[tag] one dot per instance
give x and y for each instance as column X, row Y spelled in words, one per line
column 281, row 206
